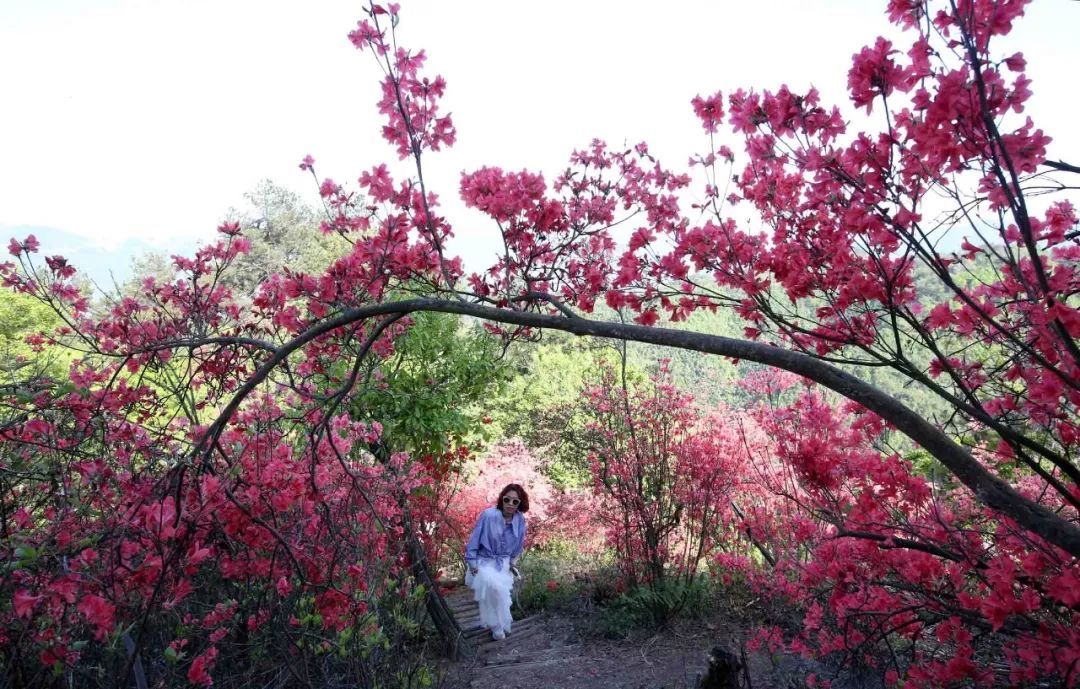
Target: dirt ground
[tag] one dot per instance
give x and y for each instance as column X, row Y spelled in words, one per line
column 554, row 654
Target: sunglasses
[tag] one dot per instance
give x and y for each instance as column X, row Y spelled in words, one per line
column 511, row 501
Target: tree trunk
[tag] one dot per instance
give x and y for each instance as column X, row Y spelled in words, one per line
column 437, row 608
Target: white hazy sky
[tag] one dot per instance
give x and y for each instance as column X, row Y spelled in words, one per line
column 149, row 118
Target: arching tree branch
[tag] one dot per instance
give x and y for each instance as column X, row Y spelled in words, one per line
column 988, row 488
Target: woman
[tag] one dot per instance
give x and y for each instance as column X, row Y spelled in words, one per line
column 491, row 556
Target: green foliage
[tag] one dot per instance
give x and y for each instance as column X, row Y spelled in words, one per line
column 619, row 618
column 543, row 589
column 652, row 607
column 431, row 394
column 20, row 316
column 284, row 233
column 559, row 576
column 712, row 378
column 541, row 405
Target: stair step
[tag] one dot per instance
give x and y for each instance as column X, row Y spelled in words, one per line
column 481, row 632
column 494, row 646
column 520, row 626
column 530, row 663
column 528, row 657
column 466, row 611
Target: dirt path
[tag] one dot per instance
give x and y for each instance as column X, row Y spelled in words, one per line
column 548, row 652
column 551, row 651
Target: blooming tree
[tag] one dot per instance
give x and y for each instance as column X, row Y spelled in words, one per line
column 668, row 474
column 553, row 514
column 195, row 434
column 835, row 279
column 896, row 569
column 127, row 506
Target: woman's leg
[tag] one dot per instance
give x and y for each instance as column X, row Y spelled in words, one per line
column 485, row 587
column 492, row 593
column 506, row 620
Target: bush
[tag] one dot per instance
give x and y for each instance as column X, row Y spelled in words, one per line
column 617, row 619
column 648, row 607
column 560, row 576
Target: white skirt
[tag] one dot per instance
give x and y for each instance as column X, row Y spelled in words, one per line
column 491, row 589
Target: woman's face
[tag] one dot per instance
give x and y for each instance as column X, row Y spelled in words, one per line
column 510, row 503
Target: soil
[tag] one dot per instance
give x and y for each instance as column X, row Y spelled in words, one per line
column 556, row 652
column 561, row 649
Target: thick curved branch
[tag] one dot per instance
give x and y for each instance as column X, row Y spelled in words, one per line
column 1061, row 165
column 991, row 490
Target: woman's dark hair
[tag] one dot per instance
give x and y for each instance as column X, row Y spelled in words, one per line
column 524, row 506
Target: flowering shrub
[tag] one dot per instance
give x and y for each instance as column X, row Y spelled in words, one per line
column 196, row 472
column 895, row 569
column 553, row 514
column 125, row 515
column 667, row 474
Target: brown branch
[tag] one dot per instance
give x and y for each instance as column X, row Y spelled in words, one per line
column 1063, row 166
column 990, row 489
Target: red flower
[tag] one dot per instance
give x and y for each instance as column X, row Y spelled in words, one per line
column 25, row 603
column 709, row 110
column 873, row 73
column 199, row 672
column 98, row 612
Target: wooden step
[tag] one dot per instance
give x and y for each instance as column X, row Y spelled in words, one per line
column 465, row 607
column 531, row 656
column 530, row 663
column 476, row 633
column 493, row 646
column 466, row 612
column 520, row 627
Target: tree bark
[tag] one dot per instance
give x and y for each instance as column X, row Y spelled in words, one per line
column 991, row 490
column 437, row 609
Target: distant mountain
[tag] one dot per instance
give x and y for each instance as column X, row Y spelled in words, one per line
column 103, row 266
